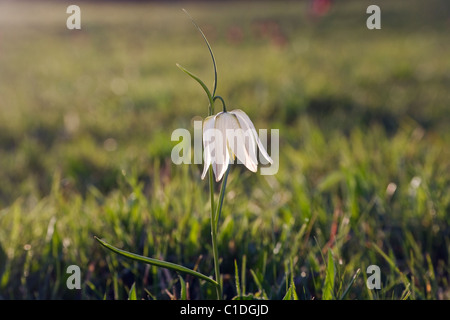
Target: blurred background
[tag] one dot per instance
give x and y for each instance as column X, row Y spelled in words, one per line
column 86, row 118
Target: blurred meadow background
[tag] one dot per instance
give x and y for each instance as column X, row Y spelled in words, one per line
column 86, row 118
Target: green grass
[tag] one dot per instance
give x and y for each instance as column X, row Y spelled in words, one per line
column 86, row 118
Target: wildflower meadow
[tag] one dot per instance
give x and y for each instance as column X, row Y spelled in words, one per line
column 233, row 150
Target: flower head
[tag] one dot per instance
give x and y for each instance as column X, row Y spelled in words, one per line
column 230, row 135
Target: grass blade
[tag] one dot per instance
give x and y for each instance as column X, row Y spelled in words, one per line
column 258, row 284
column 329, row 279
column 156, row 262
column 291, row 294
column 288, row 295
column 392, row 264
column 132, row 292
column 347, row 290
column 238, row 286
column 183, row 289
column 243, row 268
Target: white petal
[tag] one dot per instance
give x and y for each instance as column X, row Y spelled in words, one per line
column 223, row 168
column 247, row 140
column 239, row 145
column 208, row 126
column 243, row 118
column 221, row 158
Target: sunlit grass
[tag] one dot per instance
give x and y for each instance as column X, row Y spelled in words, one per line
column 85, row 150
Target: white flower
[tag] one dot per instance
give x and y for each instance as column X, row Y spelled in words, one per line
column 230, row 135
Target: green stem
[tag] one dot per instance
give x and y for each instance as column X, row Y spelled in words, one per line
column 221, row 196
column 211, row 98
column 213, row 220
column 214, row 227
column 223, row 102
column 214, row 237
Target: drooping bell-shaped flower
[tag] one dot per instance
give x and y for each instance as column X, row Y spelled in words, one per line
column 230, row 135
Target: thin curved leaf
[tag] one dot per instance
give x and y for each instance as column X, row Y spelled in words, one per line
column 347, row 290
column 209, row 48
column 208, row 93
column 156, row 262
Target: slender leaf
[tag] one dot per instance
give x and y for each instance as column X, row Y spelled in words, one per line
column 132, row 292
column 294, row 290
column 155, row 262
column 406, row 293
column 183, row 288
column 221, row 196
column 236, row 272
column 291, row 293
column 392, row 264
column 258, row 284
column 329, row 279
column 208, row 93
column 288, row 295
column 347, row 290
column 209, row 48
column 243, row 274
